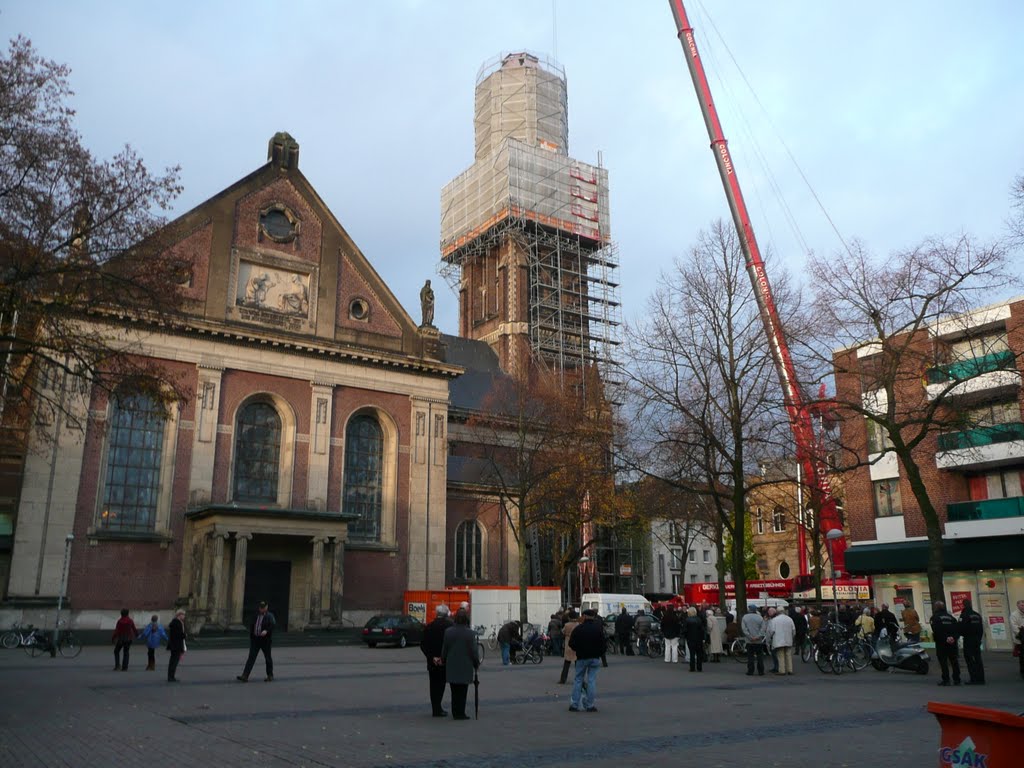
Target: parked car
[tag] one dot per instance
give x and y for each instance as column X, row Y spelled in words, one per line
column 395, row 628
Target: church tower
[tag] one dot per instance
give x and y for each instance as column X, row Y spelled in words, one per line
column 525, row 234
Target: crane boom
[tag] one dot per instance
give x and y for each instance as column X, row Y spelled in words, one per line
column 809, row 453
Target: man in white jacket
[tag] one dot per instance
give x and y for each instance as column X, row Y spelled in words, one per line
column 1017, row 631
column 783, row 632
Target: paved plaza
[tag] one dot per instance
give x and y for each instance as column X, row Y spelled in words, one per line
column 355, row 706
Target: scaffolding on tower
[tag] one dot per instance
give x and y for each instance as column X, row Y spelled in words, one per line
column 549, row 212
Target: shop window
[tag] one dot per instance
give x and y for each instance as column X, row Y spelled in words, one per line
column 364, row 474
column 132, row 482
column 887, row 498
column 468, row 551
column 257, row 453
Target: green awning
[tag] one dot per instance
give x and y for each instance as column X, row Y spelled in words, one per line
column 958, row 555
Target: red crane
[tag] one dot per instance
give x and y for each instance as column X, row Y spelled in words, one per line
column 808, row 448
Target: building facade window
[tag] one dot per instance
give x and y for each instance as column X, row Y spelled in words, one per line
column 693, row 556
column 661, row 570
column 677, row 559
column 778, row 520
column 878, row 437
column 887, row 498
column 468, row 551
column 257, row 453
column 132, row 482
column 364, row 476
column 707, row 555
column 759, row 520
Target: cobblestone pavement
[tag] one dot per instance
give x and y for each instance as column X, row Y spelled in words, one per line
column 354, row 706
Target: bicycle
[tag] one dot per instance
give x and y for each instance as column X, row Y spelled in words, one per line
column 492, row 639
column 40, row 642
column 480, row 648
column 655, row 646
column 16, row 635
column 738, row 649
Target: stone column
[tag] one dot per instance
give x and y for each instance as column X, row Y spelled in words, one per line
column 316, row 580
column 216, row 611
column 204, row 444
column 337, row 577
column 319, row 446
column 238, row 578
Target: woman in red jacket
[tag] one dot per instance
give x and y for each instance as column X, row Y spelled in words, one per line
column 124, row 633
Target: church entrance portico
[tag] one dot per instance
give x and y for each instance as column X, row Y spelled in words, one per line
column 237, row 556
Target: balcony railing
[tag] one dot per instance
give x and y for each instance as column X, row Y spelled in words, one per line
column 973, row 438
column 990, row 509
column 975, row 366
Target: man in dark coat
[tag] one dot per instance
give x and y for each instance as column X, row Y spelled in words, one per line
column 460, row 658
column 972, row 629
column 886, row 619
column 945, row 631
column 623, row 630
column 175, row 644
column 433, row 638
column 587, row 640
column 693, row 630
column 261, row 631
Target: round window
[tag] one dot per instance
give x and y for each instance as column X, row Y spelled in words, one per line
column 359, row 309
column 784, row 569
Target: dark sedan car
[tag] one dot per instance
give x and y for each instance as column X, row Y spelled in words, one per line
column 394, row 628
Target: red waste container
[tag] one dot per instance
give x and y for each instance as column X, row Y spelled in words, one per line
column 977, row 737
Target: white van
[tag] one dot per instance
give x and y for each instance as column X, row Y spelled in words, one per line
column 605, row 603
column 761, row 602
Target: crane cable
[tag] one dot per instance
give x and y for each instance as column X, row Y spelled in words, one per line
column 778, row 134
column 734, row 107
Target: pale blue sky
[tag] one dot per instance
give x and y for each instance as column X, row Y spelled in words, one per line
column 907, row 117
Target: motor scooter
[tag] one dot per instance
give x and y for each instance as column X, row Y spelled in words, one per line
column 892, row 656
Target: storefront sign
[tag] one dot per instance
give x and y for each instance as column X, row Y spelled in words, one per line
column 997, row 627
column 956, row 601
column 626, row 570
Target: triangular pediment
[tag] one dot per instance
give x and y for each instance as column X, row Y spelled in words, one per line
column 268, row 256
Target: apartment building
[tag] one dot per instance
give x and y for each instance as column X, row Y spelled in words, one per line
column 972, row 467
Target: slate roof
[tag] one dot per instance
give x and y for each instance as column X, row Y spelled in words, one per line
column 478, row 388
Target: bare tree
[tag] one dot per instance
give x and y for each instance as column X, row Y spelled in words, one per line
column 547, row 452
column 703, row 386
column 890, row 318
column 78, row 253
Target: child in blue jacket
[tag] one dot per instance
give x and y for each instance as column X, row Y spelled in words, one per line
column 153, row 634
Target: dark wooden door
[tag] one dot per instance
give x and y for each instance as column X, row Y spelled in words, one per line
column 268, row 580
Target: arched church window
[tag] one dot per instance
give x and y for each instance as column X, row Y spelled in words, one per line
column 364, row 477
column 468, row 550
column 132, row 488
column 257, row 453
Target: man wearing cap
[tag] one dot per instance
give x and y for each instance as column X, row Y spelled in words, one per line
column 431, row 645
column 587, row 640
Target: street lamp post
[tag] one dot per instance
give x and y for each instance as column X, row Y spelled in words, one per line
column 583, row 560
column 831, row 536
column 60, row 591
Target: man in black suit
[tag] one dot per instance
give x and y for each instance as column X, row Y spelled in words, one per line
column 260, row 633
column 433, row 638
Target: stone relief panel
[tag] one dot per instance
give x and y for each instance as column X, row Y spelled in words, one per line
column 273, row 291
